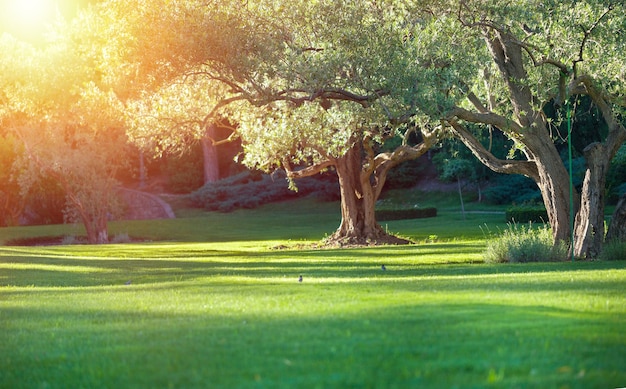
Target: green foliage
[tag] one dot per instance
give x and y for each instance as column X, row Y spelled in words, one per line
column 45, row 202
column 404, row 175
column 510, row 189
column 523, row 243
column 456, row 169
column 526, row 214
column 184, row 171
column 402, row 214
column 613, row 251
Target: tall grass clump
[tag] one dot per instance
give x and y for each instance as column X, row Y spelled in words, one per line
column 613, row 251
column 523, row 243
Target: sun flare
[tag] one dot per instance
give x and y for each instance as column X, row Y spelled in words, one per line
column 28, row 18
column 31, row 12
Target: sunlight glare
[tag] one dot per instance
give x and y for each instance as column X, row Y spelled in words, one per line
column 28, row 18
column 32, row 12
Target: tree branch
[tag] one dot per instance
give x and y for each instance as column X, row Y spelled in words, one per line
column 485, row 118
column 307, row 171
column 587, row 34
column 525, row 168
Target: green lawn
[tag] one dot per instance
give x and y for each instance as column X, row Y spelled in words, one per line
column 219, row 307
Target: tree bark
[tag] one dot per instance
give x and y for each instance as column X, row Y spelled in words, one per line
column 358, row 220
column 362, row 174
column 617, row 227
column 589, row 226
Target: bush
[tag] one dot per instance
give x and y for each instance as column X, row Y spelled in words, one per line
column 185, row 172
column 401, row 214
column 250, row 190
column 121, row 238
column 522, row 243
column 613, row 251
column 526, row 214
column 499, row 192
column 404, row 175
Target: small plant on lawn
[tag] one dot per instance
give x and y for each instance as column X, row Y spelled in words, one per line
column 69, row 240
column 613, row 251
column 523, row 243
column 121, row 238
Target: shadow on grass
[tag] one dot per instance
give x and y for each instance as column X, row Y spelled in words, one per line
column 408, row 345
column 337, row 266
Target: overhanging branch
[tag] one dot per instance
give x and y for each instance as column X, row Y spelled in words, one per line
column 506, row 166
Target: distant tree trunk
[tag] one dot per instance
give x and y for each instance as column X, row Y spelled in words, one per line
column 458, row 181
column 142, row 170
column 617, row 227
column 210, row 158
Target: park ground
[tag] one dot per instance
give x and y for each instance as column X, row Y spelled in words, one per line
column 213, row 300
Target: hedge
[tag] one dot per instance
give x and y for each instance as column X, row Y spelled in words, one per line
column 526, row 214
column 401, row 214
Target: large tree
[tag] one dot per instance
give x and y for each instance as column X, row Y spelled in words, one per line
column 311, row 86
column 523, row 56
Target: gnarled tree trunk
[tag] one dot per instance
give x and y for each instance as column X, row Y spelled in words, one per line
column 358, row 200
column 589, row 226
column 617, row 227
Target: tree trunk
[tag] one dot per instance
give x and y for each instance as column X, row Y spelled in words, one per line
column 358, row 220
column 554, row 187
column 458, row 181
column 97, row 230
column 209, row 156
column 589, row 227
column 617, row 227
column 142, row 170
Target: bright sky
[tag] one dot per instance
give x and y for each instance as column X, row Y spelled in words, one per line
column 27, row 19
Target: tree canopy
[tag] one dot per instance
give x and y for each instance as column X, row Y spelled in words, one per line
column 316, row 85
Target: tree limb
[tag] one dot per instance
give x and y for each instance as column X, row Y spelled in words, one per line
column 485, row 118
column 308, row 171
column 525, row 168
column 587, row 34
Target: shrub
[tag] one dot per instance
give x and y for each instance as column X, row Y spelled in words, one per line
column 526, row 214
column 613, row 251
column 185, row 172
column 499, row 191
column 121, row 238
column 70, row 240
column 250, row 190
column 523, row 243
column 404, row 175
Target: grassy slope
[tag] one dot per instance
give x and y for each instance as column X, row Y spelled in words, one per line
column 225, row 310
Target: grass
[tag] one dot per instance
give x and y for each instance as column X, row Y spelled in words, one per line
column 218, row 307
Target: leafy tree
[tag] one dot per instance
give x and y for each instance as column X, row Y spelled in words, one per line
column 308, row 90
column 523, row 56
column 71, row 128
column 456, row 170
